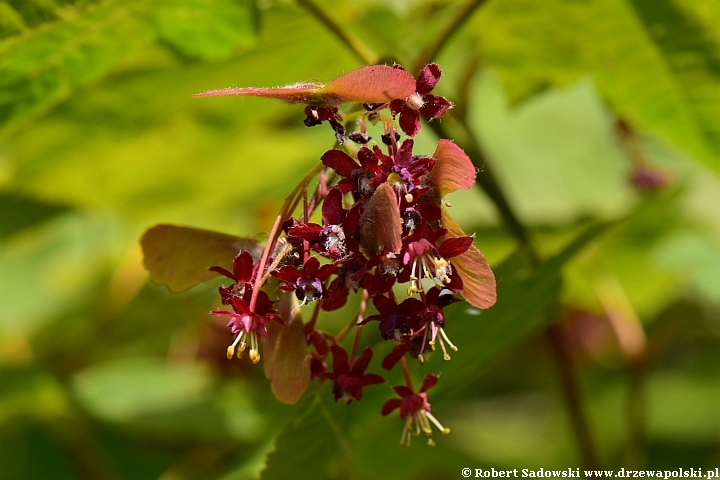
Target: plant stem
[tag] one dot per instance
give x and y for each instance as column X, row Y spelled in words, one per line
column 406, row 372
column 356, row 46
column 432, row 50
column 359, row 319
column 571, row 391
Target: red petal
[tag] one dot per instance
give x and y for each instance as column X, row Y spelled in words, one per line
column 362, row 362
column 453, row 169
column 428, row 78
column 393, row 357
column 403, row 157
column 340, row 361
column 336, row 299
column 479, row 288
column 403, row 391
column 340, row 162
column 332, row 207
column 452, row 247
column 222, row 271
column 371, row 379
column 288, row 274
column 306, row 231
column 243, row 267
column 409, row 121
column 325, row 271
column 396, row 107
column 434, row 106
column 311, row 267
column 380, row 224
column 428, row 382
column 390, row 405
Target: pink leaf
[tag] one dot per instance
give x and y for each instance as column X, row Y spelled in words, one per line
column 180, row 257
column 372, row 83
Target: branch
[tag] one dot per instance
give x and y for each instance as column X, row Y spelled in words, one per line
column 356, row 46
column 432, row 50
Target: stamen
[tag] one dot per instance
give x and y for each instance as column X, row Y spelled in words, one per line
column 444, row 335
column 231, row 348
column 435, row 421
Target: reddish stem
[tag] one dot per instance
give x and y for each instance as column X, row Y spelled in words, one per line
column 288, row 207
column 406, row 372
column 358, row 319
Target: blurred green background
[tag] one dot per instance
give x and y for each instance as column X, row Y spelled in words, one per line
column 610, row 308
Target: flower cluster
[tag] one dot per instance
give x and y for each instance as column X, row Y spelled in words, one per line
column 383, row 223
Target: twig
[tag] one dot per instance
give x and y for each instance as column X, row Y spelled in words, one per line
column 432, row 50
column 571, row 391
column 356, row 46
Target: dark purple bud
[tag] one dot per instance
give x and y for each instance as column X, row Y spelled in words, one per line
column 386, row 138
column 361, row 138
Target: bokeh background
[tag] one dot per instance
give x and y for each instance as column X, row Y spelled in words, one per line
column 604, row 347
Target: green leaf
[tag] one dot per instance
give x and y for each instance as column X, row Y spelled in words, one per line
column 308, row 443
column 179, row 257
column 11, row 22
column 18, row 212
column 46, row 66
column 657, row 63
column 206, row 29
column 523, row 297
column 126, row 389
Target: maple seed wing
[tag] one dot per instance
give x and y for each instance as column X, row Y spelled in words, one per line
column 181, row 257
column 372, row 83
column 453, row 169
column 380, row 224
column 479, row 288
column 299, row 93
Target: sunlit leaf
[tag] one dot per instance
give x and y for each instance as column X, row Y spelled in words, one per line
column 179, row 257
column 47, row 65
column 206, row 29
column 658, row 63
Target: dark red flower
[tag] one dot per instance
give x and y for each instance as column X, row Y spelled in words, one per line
column 243, row 272
column 395, row 320
column 421, row 102
column 415, row 410
column 247, row 324
column 350, row 379
column 308, row 283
